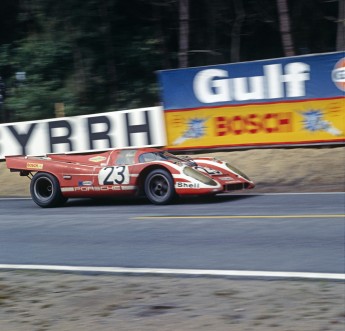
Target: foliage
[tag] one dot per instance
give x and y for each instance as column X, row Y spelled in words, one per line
column 102, row 55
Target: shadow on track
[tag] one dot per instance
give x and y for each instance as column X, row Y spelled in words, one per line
column 192, row 200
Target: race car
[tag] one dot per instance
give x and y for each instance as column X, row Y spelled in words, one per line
column 151, row 172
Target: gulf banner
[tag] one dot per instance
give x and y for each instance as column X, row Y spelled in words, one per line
column 289, row 101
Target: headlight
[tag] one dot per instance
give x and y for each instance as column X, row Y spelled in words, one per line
column 199, row 176
column 239, row 172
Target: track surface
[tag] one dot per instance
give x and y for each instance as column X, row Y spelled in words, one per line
column 284, row 232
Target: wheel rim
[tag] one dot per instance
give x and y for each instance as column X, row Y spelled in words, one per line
column 43, row 188
column 159, row 186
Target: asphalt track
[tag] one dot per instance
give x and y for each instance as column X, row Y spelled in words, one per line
column 292, row 233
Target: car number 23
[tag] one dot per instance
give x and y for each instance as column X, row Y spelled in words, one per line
column 113, row 175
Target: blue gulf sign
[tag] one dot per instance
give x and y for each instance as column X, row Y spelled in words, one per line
column 278, row 80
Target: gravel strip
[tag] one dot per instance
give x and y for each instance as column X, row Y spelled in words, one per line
column 50, row 301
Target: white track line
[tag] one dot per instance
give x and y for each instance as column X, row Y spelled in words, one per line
column 185, row 272
column 281, row 193
column 177, row 217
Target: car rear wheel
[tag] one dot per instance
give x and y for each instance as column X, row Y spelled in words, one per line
column 159, row 187
column 45, row 190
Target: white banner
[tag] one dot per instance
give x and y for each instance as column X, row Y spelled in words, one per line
column 128, row 128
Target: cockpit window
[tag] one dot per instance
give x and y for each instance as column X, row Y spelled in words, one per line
column 125, row 156
column 160, row 156
column 148, row 157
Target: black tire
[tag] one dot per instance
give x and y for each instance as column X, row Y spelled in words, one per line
column 45, row 190
column 159, row 187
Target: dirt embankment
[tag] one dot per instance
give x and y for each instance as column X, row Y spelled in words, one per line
column 295, row 169
column 273, row 170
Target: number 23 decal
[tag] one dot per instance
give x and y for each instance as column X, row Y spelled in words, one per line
column 113, row 175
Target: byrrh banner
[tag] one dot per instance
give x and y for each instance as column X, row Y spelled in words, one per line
column 288, row 101
column 128, row 128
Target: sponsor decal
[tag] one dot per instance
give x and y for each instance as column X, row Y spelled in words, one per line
column 207, row 170
column 34, row 166
column 128, row 188
column 226, row 178
column 85, row 183
column 187, row 185
column 338, row 74
column 97, row 158
column 97, row 188
column 67, row 189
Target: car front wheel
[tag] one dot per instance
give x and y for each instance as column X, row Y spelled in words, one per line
column 159, row 187
column 45, row 190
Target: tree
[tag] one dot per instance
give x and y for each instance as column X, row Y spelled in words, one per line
column 236, row 30
column 184, row 32
column 103, row 55
column 284, row 20
column 340, row 46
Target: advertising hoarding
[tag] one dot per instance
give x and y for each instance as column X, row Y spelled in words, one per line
column 287, row 101
column 127, row 128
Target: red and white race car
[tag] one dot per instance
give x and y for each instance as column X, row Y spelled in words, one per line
column 151, row 172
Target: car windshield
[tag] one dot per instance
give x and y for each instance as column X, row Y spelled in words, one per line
column 160, row 156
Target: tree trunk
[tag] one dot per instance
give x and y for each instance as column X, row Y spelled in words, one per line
column 341, row 26
column 184, row 33
column 284, row 20
column 236, row 31
column 109, row 52
column 161, row 35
